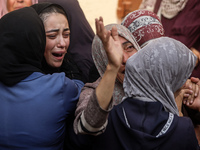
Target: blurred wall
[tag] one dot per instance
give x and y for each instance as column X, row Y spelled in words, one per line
column 95, row 8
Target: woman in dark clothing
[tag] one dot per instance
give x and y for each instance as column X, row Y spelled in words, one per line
column 57, row 41
column 147, row 118
column 34, row 106
column 80, row 39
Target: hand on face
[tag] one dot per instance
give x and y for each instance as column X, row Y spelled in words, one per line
column 118, row 49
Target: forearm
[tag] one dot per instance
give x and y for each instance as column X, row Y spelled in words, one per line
column 90, row 118
column 94, row 118
column 105, row 89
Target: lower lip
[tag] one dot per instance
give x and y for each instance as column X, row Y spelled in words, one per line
column 59, row 58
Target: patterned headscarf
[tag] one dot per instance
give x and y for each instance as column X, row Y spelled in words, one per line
column 170, row 8
column 157, row 71
column 3, row 6
column 144, row 26
column 101, row 60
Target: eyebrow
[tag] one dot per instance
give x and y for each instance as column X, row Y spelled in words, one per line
column 126, row 43
column 56, row 30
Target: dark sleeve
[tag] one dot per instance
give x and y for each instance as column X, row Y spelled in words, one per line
column 71, row 69
column 193, row 114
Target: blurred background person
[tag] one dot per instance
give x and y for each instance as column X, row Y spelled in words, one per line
column 126, row 6
column 181, row 21
column 10, row 5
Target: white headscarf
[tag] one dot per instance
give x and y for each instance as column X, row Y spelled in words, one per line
column 157, row 71
column 3, row 6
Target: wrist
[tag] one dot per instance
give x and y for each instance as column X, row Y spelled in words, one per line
column 112, row 68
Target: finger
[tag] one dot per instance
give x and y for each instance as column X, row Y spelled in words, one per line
column 101, row 18
column 185, row 101
column 188, row 84
column 187, row 96
column 101, row 24
column 196, row 90
column 194, row 80
column 104, row 33
column 114, row 33
column 102, row 29
column 97, row 26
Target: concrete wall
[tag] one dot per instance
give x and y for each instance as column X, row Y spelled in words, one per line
column 95, row 8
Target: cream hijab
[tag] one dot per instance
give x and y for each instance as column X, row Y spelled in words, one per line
column 101, row 60
column 157, row 71
column 3, row 6
column 168, row 8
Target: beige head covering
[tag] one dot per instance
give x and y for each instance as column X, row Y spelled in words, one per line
column 170, row 8
column 101, row 60
column 157, row 71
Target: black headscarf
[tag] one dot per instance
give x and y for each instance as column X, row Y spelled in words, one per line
column 81, row 37
column 22, row 45
column 69, row 65
column 39, row 8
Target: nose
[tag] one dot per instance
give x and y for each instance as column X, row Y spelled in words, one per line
column 61, row 43
column 125, row 58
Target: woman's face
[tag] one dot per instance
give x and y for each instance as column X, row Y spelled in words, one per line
column 57, row 39
column 128, row 51
column 17, row 4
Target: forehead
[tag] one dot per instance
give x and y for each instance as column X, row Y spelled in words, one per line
column 56, row 20
column 123, row 40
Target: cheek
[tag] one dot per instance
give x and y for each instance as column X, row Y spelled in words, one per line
column 120, row 77
column 10, row 4
column 46, row 53
column 133, row 52
column 28, row 2
column 50, row 44
column 67, row 43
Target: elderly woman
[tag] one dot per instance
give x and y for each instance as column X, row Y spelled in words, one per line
column 111, row 69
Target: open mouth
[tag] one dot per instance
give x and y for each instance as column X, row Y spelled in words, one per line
column 57, row 54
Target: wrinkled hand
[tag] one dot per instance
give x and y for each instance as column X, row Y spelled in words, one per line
column 179, row 96
column 194, row 87
column 189, row 95
column 196, row 102
column 111, row 43
column 197, row 53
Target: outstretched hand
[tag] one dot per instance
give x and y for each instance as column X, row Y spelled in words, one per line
column 111, row 43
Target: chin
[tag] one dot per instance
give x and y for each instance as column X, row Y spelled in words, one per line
column 57, row 65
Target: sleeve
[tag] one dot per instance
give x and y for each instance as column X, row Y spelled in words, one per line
column 90, row 117
column 71, row 93
column 192, row 142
